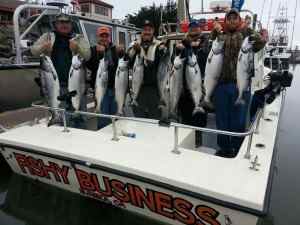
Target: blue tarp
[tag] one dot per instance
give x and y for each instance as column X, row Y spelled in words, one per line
column 237, row 4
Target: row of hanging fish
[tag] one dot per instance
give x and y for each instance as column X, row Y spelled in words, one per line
column 170, row 78
column 202, row 93
column 121, row 84
column 245, row 67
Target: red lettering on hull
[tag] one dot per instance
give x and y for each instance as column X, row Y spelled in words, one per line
column 37, row 167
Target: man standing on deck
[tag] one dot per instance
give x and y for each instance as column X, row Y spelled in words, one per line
column 151, row 50
column 229, row 116
column 105, row 48
column 60, row 46
column 199, row 44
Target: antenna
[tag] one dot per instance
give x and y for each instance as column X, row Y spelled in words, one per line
column 295, row 16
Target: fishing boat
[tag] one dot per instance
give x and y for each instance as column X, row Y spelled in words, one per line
column 153, row 168
column 278, row 56
column 21, row 70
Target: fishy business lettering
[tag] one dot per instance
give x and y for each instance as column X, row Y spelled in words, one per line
column 120, row 193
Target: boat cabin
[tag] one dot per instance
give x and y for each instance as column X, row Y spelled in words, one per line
column 83, row 23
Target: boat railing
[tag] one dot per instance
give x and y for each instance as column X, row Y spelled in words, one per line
column 253, row 129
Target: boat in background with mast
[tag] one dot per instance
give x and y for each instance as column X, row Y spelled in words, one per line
column 17, row 74
column 278, row 56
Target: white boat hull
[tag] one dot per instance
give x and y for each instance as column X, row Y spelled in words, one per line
column 159, row 201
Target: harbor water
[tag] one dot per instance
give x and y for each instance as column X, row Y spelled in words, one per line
column 23, row 201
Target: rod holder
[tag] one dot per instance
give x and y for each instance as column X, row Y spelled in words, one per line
column 115, row 133
column 176, row 150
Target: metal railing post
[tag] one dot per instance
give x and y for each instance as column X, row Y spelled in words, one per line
column 251, row 131
column 248, row 153
column 257, row 125
column 66, row 130
column 115, row 132
column 176, row 150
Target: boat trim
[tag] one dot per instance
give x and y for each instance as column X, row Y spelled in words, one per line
column 273, row 161
column 19, row 66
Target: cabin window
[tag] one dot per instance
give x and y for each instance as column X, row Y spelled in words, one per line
column 85, row 8
column 122, row 38
column 101, row 10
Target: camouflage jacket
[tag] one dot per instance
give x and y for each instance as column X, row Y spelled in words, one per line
column 233, row 43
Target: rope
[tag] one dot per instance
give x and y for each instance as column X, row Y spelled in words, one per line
column 295, row 16
column 277, row 15
column 270, row 11
column 262, row 10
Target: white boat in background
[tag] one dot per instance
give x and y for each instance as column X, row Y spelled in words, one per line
column 277, row 55
column 20, row 71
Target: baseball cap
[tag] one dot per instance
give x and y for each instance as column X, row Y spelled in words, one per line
column 63, row 18
column 103, row 30
column 232, row 11
column 148, row 23
column 194, row 24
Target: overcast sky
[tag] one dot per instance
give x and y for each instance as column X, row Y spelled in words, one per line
column 122, row 7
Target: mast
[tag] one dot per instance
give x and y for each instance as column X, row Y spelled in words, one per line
column 182, row 10
column 280, row 31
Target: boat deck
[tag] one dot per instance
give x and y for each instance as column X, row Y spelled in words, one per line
column 149, row 155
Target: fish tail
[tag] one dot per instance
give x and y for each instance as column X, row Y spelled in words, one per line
column 173, row 117
column 119, row 114
column 198, row 110
column 54, row 119
column 240, row 101
column 162, row 104
column 208, row 104
column 134, row 103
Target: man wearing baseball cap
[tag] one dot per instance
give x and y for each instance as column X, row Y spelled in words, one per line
column 229, row 116
column 105, row 48
column 151, row 50
column 59, row 45
column 197, row 43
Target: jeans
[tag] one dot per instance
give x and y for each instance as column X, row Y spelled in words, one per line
column 108, row 107
column 230, row 117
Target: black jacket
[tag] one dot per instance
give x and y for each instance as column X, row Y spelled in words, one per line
column 93, row 64
column 61, row 57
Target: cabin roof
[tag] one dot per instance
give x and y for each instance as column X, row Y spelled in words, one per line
column 9, row 5
column 97, row 2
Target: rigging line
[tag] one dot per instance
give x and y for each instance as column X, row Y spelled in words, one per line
column 270, row 11
column 295, row 16
column 276, row 25
column 262, row 10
